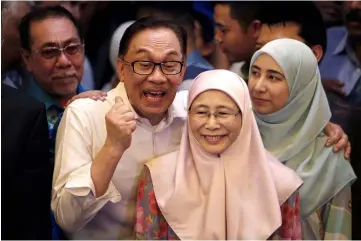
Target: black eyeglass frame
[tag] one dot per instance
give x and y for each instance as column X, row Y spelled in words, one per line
column 160, row 64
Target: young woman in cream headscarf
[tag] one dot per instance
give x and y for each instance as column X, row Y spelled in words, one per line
column 222, row 183
column 292, row 110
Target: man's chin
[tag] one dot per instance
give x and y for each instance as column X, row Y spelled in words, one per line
column 153, row 113
column 154, row 110
column 65, row 93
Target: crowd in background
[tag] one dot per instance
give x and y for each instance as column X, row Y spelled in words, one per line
column 220, row 35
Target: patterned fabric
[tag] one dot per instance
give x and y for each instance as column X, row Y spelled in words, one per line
column 151, row 225
column 332, row 221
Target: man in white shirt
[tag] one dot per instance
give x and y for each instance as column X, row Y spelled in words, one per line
column 101, row 146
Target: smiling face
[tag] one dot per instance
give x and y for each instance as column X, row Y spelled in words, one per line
column 60, row 75
column 267, row 85
column 151, row 94
column 215, row 134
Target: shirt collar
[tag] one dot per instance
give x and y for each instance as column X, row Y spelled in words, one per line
column 192, row 57
column 195, row 58
column 341, row 46
column 33, row 89
column 345, row 47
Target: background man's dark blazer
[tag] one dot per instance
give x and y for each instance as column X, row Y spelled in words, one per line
column 26, row 171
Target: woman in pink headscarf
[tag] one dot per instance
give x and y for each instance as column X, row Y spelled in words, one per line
column 221, row 183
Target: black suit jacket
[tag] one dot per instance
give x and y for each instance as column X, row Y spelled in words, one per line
column 26, row 171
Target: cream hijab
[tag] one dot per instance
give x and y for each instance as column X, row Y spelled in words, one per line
column 115, row 41
column 234, row 196
column 294, row 134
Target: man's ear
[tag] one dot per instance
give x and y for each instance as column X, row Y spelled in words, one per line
column 120, row 69
column 25, row 55
column 255, row 28
column 318, row 51
column 207, row 48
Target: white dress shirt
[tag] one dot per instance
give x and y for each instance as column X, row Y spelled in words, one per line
column 81, row 134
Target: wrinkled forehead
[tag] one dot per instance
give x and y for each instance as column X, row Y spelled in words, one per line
column 221, row 80
column 214, row 98
column 58, row 31
column 158, row 43
column 278, row 31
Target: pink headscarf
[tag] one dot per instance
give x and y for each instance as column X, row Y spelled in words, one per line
column 234, row 196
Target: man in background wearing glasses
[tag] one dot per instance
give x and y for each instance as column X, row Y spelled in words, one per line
column 102, row 146
column 53, row 52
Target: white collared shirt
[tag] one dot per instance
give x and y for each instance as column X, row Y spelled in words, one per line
column 81, row 134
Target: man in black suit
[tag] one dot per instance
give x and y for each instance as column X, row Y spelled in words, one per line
column 26, row 172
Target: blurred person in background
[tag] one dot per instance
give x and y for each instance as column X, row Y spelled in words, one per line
column 100, row 19
column 342, row 67
column 26, row 172
column 331, row 12
column 12, row 69
column 113, row 54
column 237, row 30
column 76, row 8
column 204, row 33
column 278, row 23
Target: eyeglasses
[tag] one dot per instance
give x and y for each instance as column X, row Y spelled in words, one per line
column 55, row 52
column 147, row 67
column 205, row 115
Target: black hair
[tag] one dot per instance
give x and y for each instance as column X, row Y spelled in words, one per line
column 177, row 12
column 42, row 13
column 305, row 14
column 207, row 26
column 152, row 23
column 245, row 12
